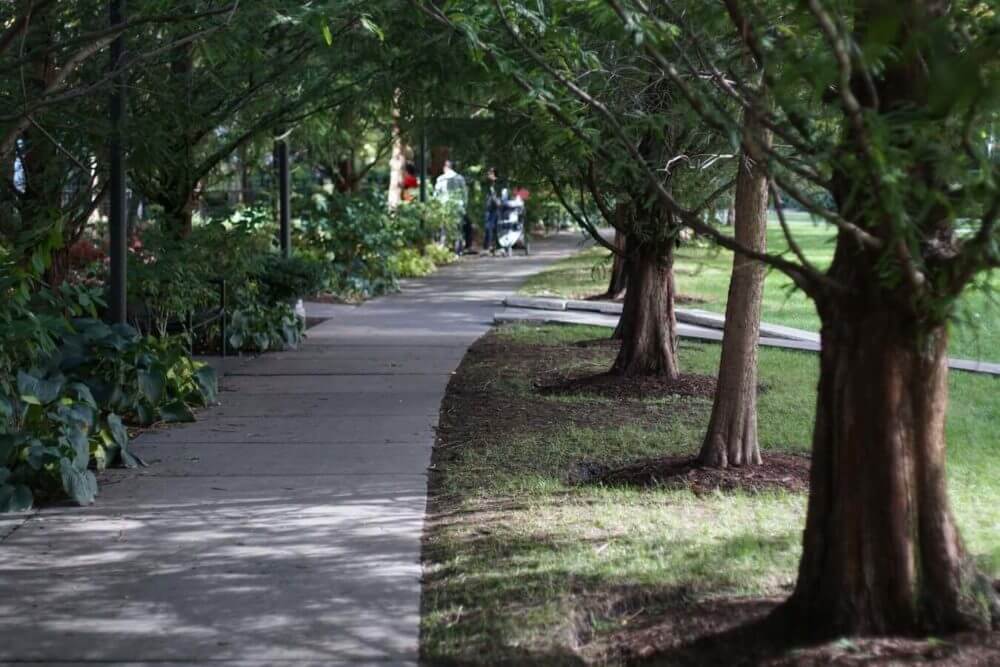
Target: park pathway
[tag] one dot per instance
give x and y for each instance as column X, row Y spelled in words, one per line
column 282, row 528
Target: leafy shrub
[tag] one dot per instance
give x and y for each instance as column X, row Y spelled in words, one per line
column 170, row 278
column 258, row 327
column 67, row 383
column 144, row 379
column 367, row 248
column 287, row 278
column 438, row 254
column 65, row 414
column 408, row 263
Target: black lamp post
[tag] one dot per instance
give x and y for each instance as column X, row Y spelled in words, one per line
column 118, row 211
column 284, row 195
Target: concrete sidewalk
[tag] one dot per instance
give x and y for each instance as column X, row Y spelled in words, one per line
column 282, row 528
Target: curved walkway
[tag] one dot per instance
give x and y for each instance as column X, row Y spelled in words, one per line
column 282, row 528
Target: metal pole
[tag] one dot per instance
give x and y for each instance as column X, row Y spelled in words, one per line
column 284, row 197
column 118, row 210
column 423, row 163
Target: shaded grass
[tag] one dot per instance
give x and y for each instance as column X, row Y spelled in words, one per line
column 703, row 272
column 523, row 566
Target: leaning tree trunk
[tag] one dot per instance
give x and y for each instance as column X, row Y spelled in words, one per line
column 881, row 550
column 731, row 439
column 619, row 265
column 649, row 336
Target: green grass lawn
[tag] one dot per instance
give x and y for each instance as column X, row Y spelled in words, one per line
column 703, row 273
column 525, row 567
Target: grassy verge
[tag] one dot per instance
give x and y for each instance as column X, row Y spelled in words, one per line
column 703, row 273
column 526, row 567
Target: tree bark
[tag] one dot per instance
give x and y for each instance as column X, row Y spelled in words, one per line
column 881, row 551
column 731, row 439
column 397, row 161
column 649, row 336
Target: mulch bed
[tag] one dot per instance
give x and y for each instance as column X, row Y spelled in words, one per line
column 778, row 472
column 618, row 387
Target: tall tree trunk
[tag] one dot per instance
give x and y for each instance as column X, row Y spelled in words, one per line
column 731, row 439
column 397, row 160
column 649, row 336
column 881, row 551
column 246, row 197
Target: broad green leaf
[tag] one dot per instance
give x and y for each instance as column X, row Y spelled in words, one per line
column 208, row 383
column 80, row 485
column 117, row 430
column 152, row 384
column 15, row 498
column 176, row 411
column 36, row 391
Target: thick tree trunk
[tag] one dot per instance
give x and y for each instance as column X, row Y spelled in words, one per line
column 731, row 439
column 179, row 215
column 881, row 551
column 649, row 337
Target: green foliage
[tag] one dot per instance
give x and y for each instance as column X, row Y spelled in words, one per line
column 259, row 327
column 409, row 263
column 284, row 279
column 172, row 278
column 368, row 248
column 440, row 255
column 68, row 385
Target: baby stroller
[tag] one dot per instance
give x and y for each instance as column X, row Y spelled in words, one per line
column 511, row 231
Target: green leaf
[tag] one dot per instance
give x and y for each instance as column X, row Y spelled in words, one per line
column 83, row 394
column 80, row 443
column 208, row 383
column 15, row 498
column 327, row 34
column 117, row 430
column 152, row 384
column 372, row 27
column 146, row 414
column 80, row 485
column 176, row 412
column 130, row 460
column 36, row 391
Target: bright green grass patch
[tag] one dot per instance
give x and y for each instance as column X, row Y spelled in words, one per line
column 703, row 272
column 523, row 566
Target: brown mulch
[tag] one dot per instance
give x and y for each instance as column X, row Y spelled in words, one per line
column 614, row 386
column 779, row 471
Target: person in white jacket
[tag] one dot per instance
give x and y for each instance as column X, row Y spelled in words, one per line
column 450, row 188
